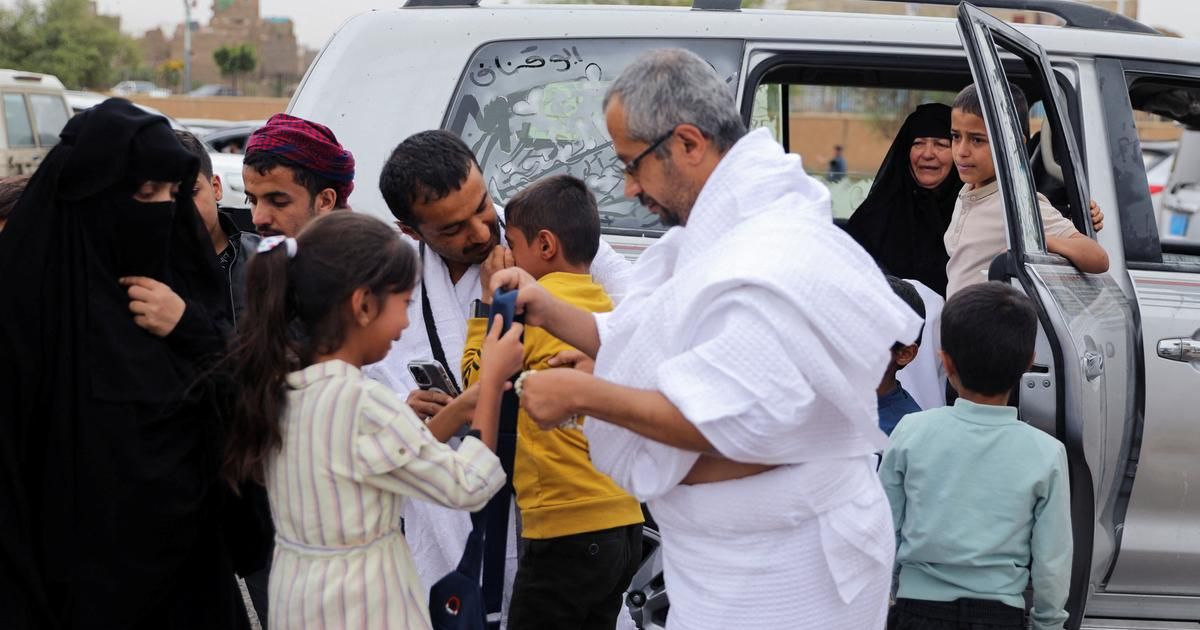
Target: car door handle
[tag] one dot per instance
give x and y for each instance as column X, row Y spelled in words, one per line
column 1093, row 365
column 1185, row 350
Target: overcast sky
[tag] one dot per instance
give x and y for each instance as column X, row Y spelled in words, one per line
column 316, row 20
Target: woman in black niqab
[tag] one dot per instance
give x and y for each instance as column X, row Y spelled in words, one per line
column 903, row 221
column 109, row 450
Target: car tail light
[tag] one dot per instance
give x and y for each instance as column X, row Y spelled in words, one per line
column 1156, row 188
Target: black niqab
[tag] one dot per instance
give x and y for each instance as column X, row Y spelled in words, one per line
column 901, row 223
column 108, row 449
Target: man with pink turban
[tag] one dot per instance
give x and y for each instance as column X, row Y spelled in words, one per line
column 295, row 170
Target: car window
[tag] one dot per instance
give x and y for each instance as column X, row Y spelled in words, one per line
column 50, row 115
column 1167, row 109
column 863, row 120
column 530, row 109
column 16, row 121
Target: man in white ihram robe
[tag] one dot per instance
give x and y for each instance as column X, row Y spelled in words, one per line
column 734, row 387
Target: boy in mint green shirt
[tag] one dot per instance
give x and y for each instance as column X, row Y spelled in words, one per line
column 980, row 500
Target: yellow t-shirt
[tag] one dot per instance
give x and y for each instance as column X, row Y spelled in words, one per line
column 559, row 492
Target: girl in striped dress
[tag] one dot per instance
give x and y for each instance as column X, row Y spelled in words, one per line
column 337, row 452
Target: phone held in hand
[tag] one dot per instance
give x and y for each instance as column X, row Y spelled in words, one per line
column 504, row 304
column 431, row 377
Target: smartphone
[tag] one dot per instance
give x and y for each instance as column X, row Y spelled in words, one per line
column 431, row 377
column 504, row 304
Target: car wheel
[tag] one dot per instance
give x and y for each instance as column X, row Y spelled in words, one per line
column 647, row 595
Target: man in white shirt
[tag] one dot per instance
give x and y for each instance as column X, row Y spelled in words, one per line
column 434, row 187
column 734, row 387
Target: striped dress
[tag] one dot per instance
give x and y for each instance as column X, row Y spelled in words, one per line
column 351, row 453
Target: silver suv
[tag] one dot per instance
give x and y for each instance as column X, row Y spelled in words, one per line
column 523, row 86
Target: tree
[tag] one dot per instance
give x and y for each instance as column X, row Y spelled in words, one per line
column 170, row 72
column 234, row 61
column 66, row 39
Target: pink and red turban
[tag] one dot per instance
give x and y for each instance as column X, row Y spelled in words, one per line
column 311, row 146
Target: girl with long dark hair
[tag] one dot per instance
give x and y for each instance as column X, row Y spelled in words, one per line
column 339, row 453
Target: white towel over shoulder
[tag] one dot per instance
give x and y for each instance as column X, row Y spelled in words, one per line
column 766, row 325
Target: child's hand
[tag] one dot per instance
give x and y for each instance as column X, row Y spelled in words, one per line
column 500, row 258
column 1097, row 216
column 502, row 356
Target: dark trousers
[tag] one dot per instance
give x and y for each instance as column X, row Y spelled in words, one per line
column 960, row 614
column 574, row 582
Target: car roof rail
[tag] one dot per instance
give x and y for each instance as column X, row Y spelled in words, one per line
column 1075, row 14
column 441, row 3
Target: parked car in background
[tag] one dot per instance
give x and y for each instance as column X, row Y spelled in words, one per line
column 232, row 139
column 225, row 148
column 1179, row 214
column 1158, row 157
column 214, row 89
column 228, row 167
column 135, row 88
column 204, row 126
column 35, row 110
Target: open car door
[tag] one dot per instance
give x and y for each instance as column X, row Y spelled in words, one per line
column 1079, row 388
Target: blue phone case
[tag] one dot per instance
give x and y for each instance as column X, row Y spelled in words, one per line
column 504, row 304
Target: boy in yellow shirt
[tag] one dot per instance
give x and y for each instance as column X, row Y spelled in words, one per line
column 581, row 533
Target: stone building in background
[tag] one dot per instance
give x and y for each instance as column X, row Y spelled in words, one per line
column 281, row 60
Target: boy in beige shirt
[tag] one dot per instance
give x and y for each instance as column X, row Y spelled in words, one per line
column 977, row 229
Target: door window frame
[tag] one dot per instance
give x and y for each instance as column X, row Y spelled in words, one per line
column 1139, row 222
column 982, row 35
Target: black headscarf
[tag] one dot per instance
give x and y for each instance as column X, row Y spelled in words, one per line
column 901, row 223
column 107, row 449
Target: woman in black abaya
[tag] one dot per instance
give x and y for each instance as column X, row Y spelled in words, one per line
column 904, row 218
column 109, row 504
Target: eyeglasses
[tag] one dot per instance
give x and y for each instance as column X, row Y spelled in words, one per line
column 631, row 166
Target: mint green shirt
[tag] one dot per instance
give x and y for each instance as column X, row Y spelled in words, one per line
column 981, row 503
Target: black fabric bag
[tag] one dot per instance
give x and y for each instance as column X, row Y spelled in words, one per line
column 456, row 600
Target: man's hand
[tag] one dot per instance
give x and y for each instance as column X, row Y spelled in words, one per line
column 573, row 359
column 714, row 468
column 428, row 404
column 155, row 307
column 1097, row 216
column 500, row 258
column 545, row 395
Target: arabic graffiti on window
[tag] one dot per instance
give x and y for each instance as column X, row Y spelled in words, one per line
column 485, row 73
